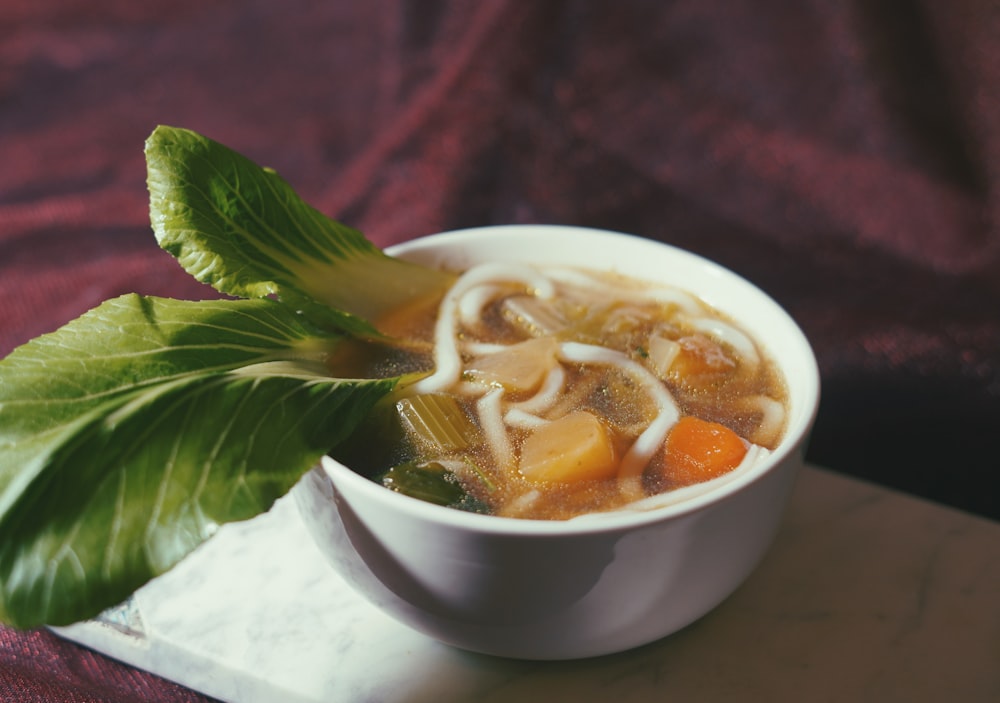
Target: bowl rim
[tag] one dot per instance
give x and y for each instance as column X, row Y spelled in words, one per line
column 807, row 377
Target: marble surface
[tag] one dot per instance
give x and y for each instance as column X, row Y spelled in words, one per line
column 866, row 595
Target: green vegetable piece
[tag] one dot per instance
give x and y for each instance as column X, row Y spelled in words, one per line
column 128, row 436
column 243, row 230
column 433, row 483
column 477, row 471
column 436, row 423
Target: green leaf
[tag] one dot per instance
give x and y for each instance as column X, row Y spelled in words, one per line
column 429, row 482
column 128, row 436
column 242, row 229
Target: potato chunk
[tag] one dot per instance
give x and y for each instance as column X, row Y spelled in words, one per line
column 576, row 447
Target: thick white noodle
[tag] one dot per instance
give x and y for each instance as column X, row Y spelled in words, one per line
column 484, row 348
column 447, row 359
column 547, row 394
column 646, row 444
column 523, row 414
column 772, row 417
column 471, row 304
column 521, row 503
column 490, row 411
column 523, row 420
column 649, row 293
column 727, row 334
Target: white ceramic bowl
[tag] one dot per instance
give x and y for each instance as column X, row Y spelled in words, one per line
column 592, row 586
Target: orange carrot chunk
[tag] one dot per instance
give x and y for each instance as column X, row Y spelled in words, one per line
column 697, row 450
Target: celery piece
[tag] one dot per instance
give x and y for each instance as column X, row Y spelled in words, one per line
column 436, row 422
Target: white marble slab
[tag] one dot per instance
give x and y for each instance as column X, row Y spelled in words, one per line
column 867, row 595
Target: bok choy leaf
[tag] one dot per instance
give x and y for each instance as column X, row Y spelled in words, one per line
column 130, row 434
column 243, row 230
column 119, row 459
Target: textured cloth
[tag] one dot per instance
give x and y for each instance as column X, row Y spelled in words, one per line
column 844, row 156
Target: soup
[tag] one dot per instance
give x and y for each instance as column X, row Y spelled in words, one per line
column 548, row 394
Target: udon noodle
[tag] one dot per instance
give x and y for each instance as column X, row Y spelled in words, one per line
column 560, row 392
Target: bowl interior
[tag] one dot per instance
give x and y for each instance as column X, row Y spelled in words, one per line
column 640, row 258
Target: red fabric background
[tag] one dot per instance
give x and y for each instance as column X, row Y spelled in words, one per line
column 845, row 156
